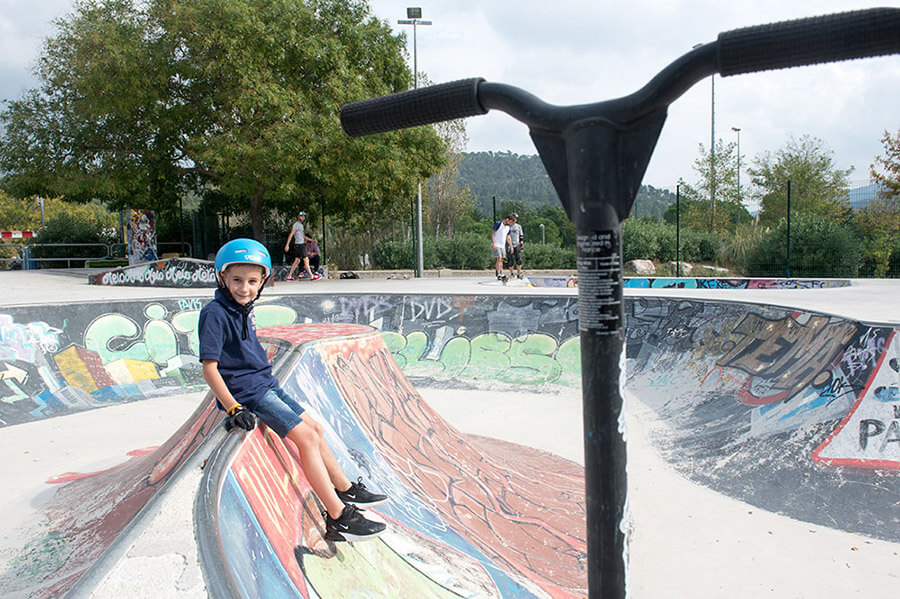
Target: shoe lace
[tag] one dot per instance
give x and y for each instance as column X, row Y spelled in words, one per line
column 360, row 484
column 350, row 511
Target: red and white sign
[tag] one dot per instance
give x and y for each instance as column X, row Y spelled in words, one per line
column 16, row 234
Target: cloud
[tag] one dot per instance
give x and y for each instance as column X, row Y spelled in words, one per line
column 580, row 51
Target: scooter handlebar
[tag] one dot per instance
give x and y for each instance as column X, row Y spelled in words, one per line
column 433, row 104
column 829, row 38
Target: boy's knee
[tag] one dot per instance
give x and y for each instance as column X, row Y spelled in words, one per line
column 306, row 435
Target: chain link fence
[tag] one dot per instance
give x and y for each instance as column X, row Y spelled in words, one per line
column 856, row 234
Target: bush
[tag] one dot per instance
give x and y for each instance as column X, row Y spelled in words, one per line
column 394, row 255
column 466, row 252
column 819, row 248
column 72, row 229
column 639, row 241
column 547, row 257
column 461, row 252
column 735, row 251
column 699, row 246
column 648, row 240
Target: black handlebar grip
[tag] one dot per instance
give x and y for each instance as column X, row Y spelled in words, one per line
column 829, row 38
column 433, row 104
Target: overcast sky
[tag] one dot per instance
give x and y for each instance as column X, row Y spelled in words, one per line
column 579, row 51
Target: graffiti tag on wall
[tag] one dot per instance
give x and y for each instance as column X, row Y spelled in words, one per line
column 56, row 361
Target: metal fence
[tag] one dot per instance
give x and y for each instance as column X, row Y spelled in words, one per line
column 861, row 237
column 27, row 257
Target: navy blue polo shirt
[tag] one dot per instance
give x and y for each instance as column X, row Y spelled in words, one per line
column 243, row 363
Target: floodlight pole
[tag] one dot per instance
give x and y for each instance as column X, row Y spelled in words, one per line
column 414, row 15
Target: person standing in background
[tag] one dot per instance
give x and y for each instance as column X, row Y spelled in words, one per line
column 315, row 258
column 500, row 241
column 517, row 243
column 300, row 238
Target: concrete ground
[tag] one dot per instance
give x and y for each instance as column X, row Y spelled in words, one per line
column 687, row 541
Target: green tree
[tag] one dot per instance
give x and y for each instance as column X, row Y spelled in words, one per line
column 234, row 99
column 714, row 202
column 817, row 187
column 886, row 168
column 446, row 199
column 25, row 213
column 879, row 221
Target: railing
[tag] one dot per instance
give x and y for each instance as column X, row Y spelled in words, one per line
column 15, row 261
column 26, row 260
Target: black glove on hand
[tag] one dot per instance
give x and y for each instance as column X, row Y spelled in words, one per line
column 240, row 417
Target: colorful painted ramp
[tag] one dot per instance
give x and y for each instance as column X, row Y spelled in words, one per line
column 467, row 517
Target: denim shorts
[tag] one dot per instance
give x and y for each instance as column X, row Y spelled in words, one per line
column 278, row 410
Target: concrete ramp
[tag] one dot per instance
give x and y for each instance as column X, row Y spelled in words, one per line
column 467, row 517
column 792, row 411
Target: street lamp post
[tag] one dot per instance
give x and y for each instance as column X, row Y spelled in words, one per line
column 738, row 131
column 414, row 18
column 542, row 233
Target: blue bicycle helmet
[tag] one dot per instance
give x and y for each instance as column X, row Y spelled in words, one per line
column 243, row 251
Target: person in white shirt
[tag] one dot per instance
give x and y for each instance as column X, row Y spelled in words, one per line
column 499, row 242
column 514, row 251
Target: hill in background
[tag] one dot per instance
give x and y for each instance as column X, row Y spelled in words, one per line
column 509, row 177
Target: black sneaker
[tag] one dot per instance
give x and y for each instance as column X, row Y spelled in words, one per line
column 351, row 526
column 360, row 496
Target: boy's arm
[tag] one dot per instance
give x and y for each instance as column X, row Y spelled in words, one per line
column 215, row 381
column 238, row 416
column 287, row 244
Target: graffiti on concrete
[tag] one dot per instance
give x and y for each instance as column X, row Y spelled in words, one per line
column 869, row 435
column 89, row 511
column 722, row 283
column 758, row 400
column 700, row 283
column 56, row 361
column 173, row 272
column 782, row 357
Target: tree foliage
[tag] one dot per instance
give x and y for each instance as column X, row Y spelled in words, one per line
column 714, row 203
column 886, row 169
column 879, row 221
column 819, row 247
column 817, row 186
column 447, row 200
column 24, row 214
column 236, row 100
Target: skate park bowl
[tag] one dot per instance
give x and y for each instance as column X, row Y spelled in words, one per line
column 790, row 411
